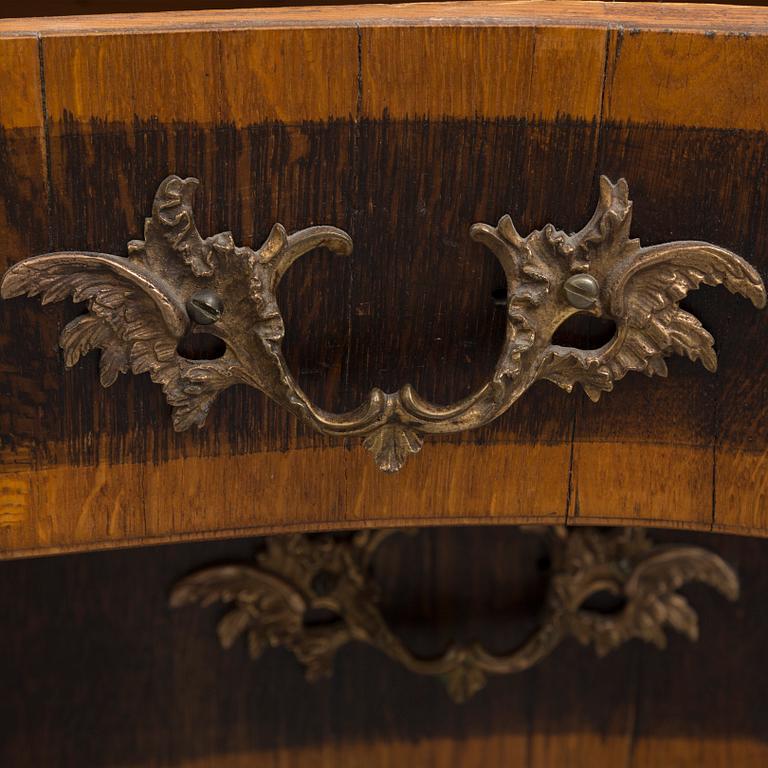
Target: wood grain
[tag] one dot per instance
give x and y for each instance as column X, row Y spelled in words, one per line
column 415, row 72
column 402, row 126
column 243, row 77
column 134, row 503
column 675, row 17
column 80, row 7
column 720, row 78
column 21, row 106
column 23, row 229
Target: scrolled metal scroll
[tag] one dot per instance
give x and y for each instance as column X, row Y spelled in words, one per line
column 174, row 282
column 270, row 598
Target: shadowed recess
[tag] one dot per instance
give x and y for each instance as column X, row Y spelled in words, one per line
column 80, row 629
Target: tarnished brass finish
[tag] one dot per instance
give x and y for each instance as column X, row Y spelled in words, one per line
column 174, row 281
column 295, row 574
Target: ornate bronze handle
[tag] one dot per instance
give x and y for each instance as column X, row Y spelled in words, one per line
column 270, row 599
column 174, row 281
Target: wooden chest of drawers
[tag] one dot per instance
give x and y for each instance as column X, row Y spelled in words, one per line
column 396, row 129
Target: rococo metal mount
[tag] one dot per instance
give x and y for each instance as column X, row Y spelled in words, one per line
column 271, row 599
column 174, row 282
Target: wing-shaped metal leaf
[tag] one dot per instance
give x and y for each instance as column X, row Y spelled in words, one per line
column 134, row 317
column 661, row 275
column 668, row 569
column 652, row 599
column 89, row 332
column 233, row 583
column 268, row 607
column 231, row 625
column 645, row 578
column 679, row 614
column 99, row 278
column 643, row 292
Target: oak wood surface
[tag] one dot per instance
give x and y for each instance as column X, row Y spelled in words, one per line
column 403, row 125
column 579, row 13
column 96, row 671
column 89, row 7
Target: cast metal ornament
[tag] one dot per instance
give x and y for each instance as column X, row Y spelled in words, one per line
column 270, row 599
column 174, row 281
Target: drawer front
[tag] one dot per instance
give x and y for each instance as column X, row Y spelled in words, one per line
column 402, row 126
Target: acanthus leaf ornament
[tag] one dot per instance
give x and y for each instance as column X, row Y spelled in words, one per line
column 174, row 281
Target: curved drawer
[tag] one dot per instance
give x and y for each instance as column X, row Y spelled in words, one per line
column 402, row 126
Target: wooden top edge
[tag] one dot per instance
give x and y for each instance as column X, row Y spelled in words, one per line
column 579, row 13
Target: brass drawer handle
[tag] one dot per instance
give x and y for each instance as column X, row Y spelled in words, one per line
column 270, row 599
column 174, row 282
